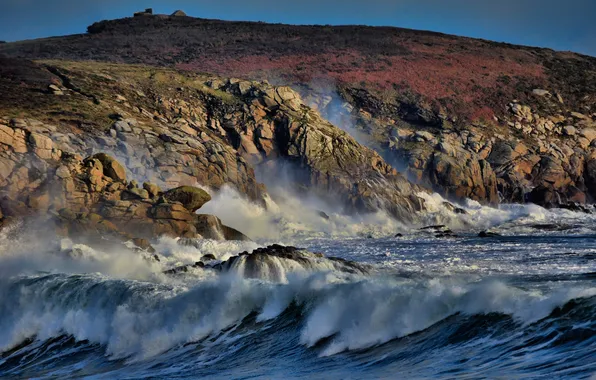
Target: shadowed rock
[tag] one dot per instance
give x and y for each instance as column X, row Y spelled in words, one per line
column 192, row 198
column 275, row 262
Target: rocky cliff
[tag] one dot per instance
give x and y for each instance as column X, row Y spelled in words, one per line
column 545, row 144
column 76, row 139
column 468, row 118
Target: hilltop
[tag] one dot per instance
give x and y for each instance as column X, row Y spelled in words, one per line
column 465, row 76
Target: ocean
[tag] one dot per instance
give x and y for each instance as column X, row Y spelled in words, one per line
column 520, row 304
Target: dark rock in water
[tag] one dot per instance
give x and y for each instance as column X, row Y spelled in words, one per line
column 544, row 196
column 435, row 227
column 274, row 261
column 208, row 257
column 551, row 227
column 461, row 211
column 398, row 235
column 445, row 233
column 323, row 215
column 440, row 230
column 487, row 234
column 576, row 207
column 184, row 268
column 369, row 236
column 448, row 234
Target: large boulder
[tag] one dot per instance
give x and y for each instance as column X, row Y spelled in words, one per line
column 273, row 262
column 111, row 167
column 192, row 198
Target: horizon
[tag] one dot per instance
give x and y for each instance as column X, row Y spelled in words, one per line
column 558, row 30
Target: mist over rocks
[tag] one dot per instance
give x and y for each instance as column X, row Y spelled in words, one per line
column 542, row 143
column 172, row 129
column 90, row 198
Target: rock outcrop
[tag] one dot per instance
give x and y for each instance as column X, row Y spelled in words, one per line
column 281, row 135
column 171, row 130
column 190, row 197
column 546, row 146
column 468, row 118
column 91, row 197
column 274, row 262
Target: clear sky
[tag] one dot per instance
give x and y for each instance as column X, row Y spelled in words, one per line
column 558, row 24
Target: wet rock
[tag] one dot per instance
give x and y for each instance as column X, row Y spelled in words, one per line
column 545, row 196
column 457, row 210
column 208, row 257
column 576, row 207
column 434, row 227
column 550, row 227
column 184, row 268
column 488, row 234
column 323, row 215
column 269, row 263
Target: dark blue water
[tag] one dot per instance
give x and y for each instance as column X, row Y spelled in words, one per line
column 518, row 306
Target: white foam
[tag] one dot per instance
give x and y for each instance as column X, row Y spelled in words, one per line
column 371, row 313
column 293, row 218
column 141, row 320
column 515, row 218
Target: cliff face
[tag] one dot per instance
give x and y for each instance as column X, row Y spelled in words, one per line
column 544, row 143
column 468, row 118
column 169, row 129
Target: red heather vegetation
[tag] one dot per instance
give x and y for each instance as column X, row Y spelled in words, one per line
column 465, row 77
column 430, row 76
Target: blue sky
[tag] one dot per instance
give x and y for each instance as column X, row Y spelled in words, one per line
column 561, row 25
